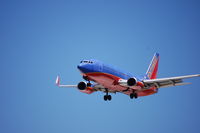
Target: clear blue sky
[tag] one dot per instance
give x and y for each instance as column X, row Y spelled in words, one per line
column 40, row 39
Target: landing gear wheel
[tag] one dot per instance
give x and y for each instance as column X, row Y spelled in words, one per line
column 105, row 98
column 133, row 95
column 109, row 97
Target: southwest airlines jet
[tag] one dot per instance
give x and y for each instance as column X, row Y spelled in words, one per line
column 110, row 79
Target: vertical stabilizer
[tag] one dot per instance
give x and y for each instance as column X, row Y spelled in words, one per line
column 153, row 67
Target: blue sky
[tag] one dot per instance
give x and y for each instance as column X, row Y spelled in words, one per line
column 40, row 39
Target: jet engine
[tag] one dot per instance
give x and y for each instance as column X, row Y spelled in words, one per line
column 82, row 85
column 132, row 82
column 85, row 87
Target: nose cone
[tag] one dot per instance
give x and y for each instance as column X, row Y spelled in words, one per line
column 79, row 66
column 85, row 68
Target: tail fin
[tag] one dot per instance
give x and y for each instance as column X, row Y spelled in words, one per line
column 153, row 67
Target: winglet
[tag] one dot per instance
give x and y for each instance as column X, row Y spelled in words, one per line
column 58, row 81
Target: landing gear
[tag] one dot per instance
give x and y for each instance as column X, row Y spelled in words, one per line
column 107, row 97
column 133, row 95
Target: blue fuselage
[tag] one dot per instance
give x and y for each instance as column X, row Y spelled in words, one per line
column 95, row 66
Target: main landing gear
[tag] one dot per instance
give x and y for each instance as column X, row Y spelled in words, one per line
column 107, row 97
column 133, row 95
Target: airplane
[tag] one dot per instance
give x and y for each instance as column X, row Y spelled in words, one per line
column 109, row 79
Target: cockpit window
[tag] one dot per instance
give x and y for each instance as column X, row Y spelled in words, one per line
column 85, row 61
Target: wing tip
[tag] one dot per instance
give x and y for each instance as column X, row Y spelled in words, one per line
column 58, row 80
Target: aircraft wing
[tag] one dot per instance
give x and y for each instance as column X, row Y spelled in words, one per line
column 167, row 82
column 95, row 87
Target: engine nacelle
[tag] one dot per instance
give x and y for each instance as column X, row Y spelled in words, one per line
column 82, row 86
column 85, row 87
column 132, row 82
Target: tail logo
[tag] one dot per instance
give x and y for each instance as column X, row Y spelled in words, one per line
column 152, row 71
